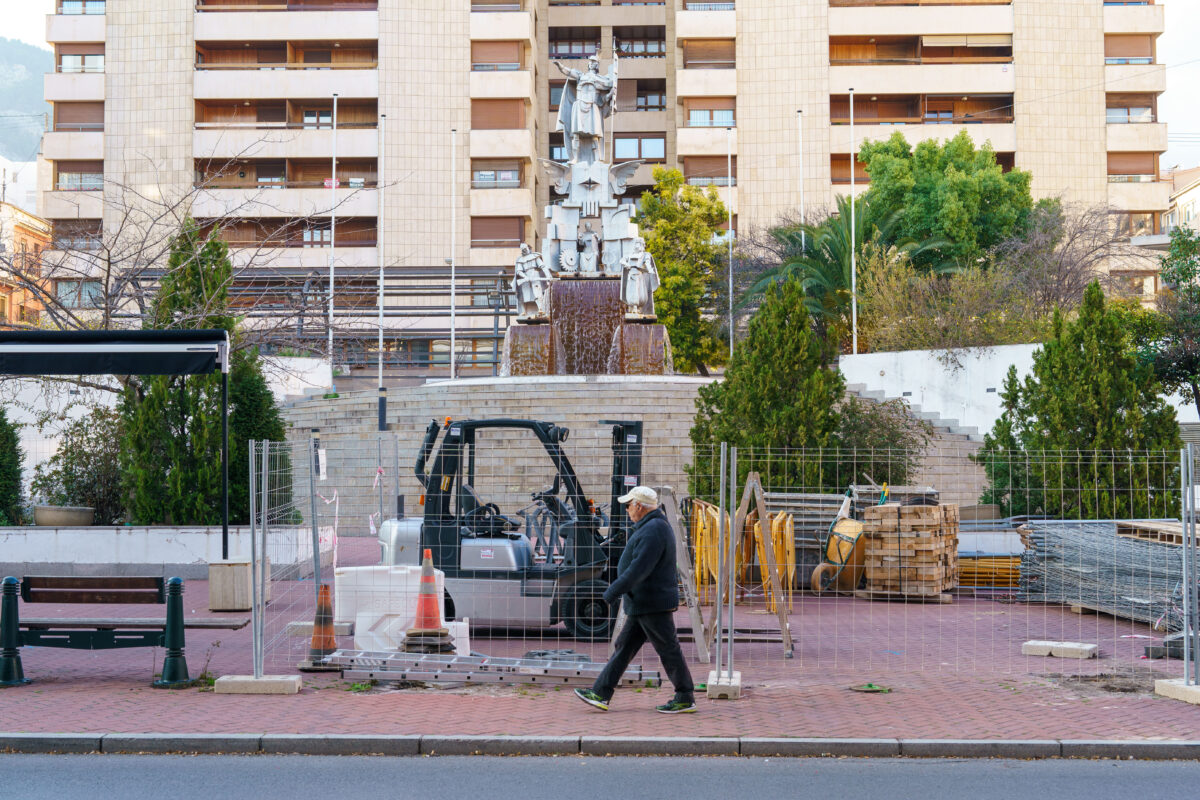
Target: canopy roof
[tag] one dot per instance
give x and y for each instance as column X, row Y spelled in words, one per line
column 133, row 352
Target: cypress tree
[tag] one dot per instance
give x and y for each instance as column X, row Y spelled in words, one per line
column 11, row 459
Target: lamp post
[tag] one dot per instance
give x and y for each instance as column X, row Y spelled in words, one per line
column 453, row 261
column 332, row 228
column 379, row 195
column 729, row 233
column 800, row 137
column 853, row 236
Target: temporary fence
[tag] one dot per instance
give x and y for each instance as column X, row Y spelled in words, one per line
column 965, row 560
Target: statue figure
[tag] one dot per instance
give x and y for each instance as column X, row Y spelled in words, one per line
column 639, row 279
column 587, row 99
column 532, row 283
column 589, row 243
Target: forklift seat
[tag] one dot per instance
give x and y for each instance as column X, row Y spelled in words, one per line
column 479, row 518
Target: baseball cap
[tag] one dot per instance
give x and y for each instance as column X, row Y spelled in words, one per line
column 641, row 494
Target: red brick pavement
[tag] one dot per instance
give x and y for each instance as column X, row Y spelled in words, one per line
column 955, row 670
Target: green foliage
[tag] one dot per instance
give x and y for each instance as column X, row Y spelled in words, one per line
column 86, row 469
column 171, row 462
column 11, row 459
column 678, row 223
column 1174, row 349
column 880, row 442
column 952, row 192
column 1088, row 433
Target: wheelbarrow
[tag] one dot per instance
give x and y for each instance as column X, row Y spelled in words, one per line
column 841, row 568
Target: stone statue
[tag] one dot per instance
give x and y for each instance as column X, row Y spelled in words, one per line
column 587, row 99
column 639, row 279
column 589, row 244
column 532, row 283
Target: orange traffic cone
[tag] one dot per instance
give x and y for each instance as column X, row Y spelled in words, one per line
column 428, row 635
column 323, row 643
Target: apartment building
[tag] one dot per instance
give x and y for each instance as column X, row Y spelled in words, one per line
column 23, row 237
column 229, row 104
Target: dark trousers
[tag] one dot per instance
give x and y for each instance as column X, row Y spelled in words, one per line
column 659, row 630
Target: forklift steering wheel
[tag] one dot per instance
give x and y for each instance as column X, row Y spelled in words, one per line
column 485, row 513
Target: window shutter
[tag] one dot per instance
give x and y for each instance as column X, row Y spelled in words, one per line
column 90, row 167
column 95, row 49
column 497, row 231
column 709, row 50
column 497, row 114
column 495, row 53
column 79, row 112
column 1132, row 46
column 707, row 167
column 1131, row 163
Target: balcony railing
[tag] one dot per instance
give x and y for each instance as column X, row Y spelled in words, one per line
column 343, row 183
column 1112, row 61
column 496, row 184
column 852, row 62
column 288, row 65
column 79, row 182
column 73, row 69
column 569, row 52
column 290, row 126
column 966, row 119
column 710, row 64
column 858, row 3
column 74, row 7
column 712, row 180
column 507, row 66
column 271, row 244
column 1124, row 115
column 78, row 127
column 496, row 242
column 708, row 6
column 283, row 5
column 1133, row 179
column 497, row 5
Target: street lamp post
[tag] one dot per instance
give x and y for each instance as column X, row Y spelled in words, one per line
column 853, row 236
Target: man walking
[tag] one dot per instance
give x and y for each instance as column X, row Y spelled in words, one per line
column 649, row 588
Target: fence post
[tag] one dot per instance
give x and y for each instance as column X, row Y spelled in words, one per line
column 721, row 578
column 732, row 559
column 313, row 465
column 255, row 639
column 1191, row 576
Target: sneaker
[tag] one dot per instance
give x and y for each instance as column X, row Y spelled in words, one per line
column 592, row 699
column 677, row 707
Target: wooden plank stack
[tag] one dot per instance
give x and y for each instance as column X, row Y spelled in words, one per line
column 911, row 551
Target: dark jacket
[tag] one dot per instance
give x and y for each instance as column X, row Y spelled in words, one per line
column 646, row 574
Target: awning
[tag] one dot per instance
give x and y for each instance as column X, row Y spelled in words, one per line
column 134, row 352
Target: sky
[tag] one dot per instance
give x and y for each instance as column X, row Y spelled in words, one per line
column 1179, row 107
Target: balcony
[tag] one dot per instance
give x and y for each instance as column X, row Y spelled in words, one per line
column 502, row 26
column 349, row 25
column 254, row 84
column 264, row 203
column 73, row 86
column 704, row 141
column 517, row 143
column 714, row 24
column 1134, row 19
column 223, row 140
column 502, row 202
column 700, row 82
column 302, row 258
column 1003, row 136
column 66, row 29
column 1139, row 196
column 925, row 78
column 501, row 84
column 1137, row 137
column 72, row 204
column 921, row 21
column 1135, row 78
column 73, row 146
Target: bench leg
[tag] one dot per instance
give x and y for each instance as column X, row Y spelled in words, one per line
column 174, row 671
column 11, row 673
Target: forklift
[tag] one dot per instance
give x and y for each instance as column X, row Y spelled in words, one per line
column 549, row 564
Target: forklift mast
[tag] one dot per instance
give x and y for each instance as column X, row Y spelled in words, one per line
column 626, row 474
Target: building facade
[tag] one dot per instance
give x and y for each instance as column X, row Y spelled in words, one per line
column 23, row 237
column 227, row 107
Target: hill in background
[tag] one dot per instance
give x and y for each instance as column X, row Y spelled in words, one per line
column 21, row 106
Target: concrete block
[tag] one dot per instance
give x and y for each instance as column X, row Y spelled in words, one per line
column 980, row 748
column 248, row 684
column 1177, row 689
column 724, row 686
column 1153, row 751
column 1037, row 648
column 1075, row 650
column 858, row 748
column 180, row 742
column 49, row 743
column 304, row 628
column 499, row 745
column 341, row 744
column 658, row 746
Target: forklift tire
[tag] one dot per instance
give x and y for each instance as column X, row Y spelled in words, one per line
column 586, row 613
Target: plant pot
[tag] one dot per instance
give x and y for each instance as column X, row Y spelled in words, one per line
column 63, row 516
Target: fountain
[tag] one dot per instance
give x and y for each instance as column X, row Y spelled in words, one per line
column 587, row 299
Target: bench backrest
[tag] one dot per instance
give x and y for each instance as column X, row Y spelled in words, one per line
column 93, row 590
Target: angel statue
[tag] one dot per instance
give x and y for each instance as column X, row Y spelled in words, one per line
column 532, row 282
column 587, row 99
column 639, row 279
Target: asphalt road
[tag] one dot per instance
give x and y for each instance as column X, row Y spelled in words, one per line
column 128, row 777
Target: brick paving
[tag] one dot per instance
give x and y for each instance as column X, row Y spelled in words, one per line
column 955, row 670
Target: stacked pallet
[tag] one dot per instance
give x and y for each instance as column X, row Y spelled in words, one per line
column 911, row 551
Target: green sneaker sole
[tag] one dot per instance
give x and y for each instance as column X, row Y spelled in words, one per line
column 594, row 703
column 683, row 710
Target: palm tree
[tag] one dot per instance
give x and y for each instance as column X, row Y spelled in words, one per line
column 821, row 261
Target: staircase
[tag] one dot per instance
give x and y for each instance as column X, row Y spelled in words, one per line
column 949, row 428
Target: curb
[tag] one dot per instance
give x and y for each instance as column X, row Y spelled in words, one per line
column 414, row 745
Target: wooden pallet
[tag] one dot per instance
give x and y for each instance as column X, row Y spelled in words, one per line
column 1164, row 531
column 942, row 598
column 910, row 551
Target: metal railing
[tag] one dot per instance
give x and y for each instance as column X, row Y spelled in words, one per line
column 289, row 126
column 283, row 5
column 1137, row 60
column 1133, row 178
column 78, row 127
column 708, row 6
column 496, row 184
column 506, row 66
column 711, row 180
column 74, row 7
column 269, row 67
column 344, row 183
column 710, row 64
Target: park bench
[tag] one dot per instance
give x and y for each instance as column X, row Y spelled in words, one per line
column 99, row 634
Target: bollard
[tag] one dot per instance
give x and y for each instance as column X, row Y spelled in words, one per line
column 11, row 673
column 174, row 671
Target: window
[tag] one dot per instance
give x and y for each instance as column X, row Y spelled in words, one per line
column 1129, row 49
column 1122, row 116
column 1135, row 223
column 556, row 91
column 72, row 7
column 651, row 99
column 647, row 148
column 318, row 57
column 79, row 176
column 271, row 174
column 709, row 54
column 574, row 42
column 317, row 235
column 711, row 112
column 710, row 170
column 77, row 234
column 318, row 118
column 79, row 294
column 79, row 116
column 497, row 114
column 558, row 150
column 84, row 62
column 641, row 42
column 495, row 175
column 1132, row 167
column 490, row 56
